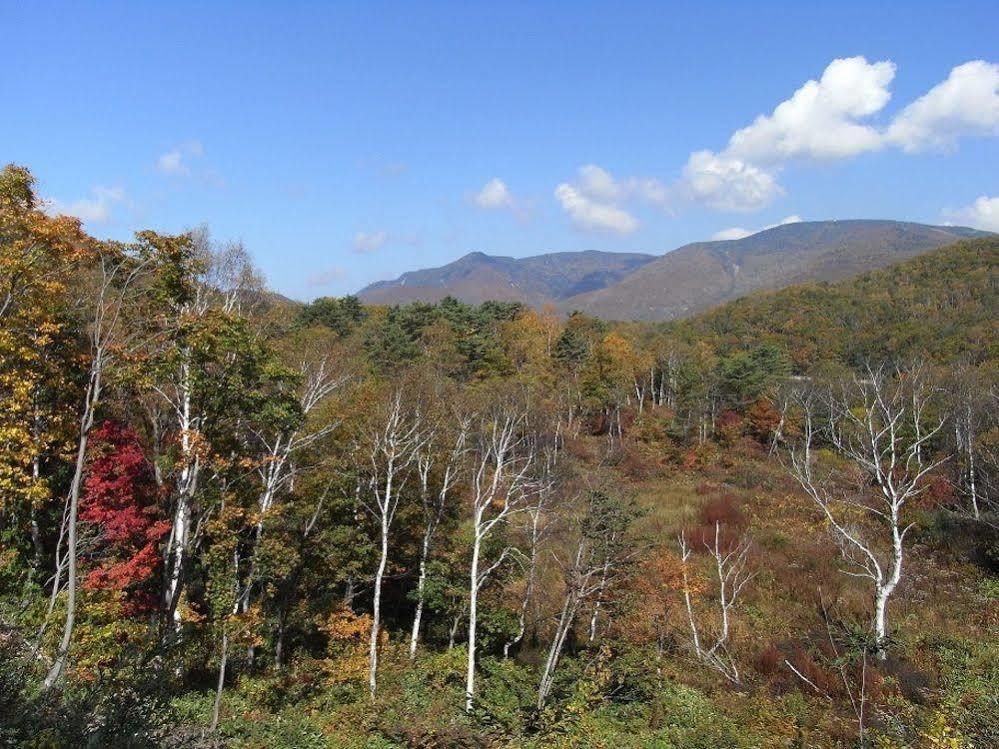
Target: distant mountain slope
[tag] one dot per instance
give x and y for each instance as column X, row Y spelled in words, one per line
column 942, row 305
column 688, row 280
column 538, row 280
column 699, row 276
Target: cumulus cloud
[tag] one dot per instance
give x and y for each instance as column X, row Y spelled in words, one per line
column 737, row 232
column 982, row 214
column 595, row 199
column 95, row 209
column 821, row 120
column 728, row 184
column 598, row 184
column 591, row 215
column 830, row 118
column 592, row 202
column 494, row 194
column 370, row 241
column 967, row 103
column 175, row 161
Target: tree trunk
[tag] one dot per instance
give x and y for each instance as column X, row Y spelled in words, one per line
column 525, row 602
column 970, row 444
column 376, row 610
column 555, row 651
column 420, row 585
column 86, row 423
column 223, row 662
column 473, row 600
column 187, row 486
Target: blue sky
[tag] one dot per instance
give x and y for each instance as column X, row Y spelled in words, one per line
column 345, row 143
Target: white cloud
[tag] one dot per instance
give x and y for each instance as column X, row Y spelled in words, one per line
column 828, row 119
column 370, row 241
column 592, row 215
column 598, row 184
column 592, row 201
column 737, row 232
column 494, row 194
column 728, row 184
column 982, row 214
column 595, row 199
column 174, row 162
column 96, row 209
column 821, row 119
column 650, row 190
column 967, row 103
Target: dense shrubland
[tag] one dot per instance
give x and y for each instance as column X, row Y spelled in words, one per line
column 230, row 520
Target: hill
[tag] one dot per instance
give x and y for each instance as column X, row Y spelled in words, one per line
column 702, row 275
column 941, row 305
column 538, row 280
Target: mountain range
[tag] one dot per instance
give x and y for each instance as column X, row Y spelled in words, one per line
column 684, row 281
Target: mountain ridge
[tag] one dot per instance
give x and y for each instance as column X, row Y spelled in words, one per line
column 536, row 280
column 682, row 282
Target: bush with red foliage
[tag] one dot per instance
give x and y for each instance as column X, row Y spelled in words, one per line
column 120, row 502
column 937, row 492
column 701, row 538
column 728, row 427
column 762, row 420
column 724, row 510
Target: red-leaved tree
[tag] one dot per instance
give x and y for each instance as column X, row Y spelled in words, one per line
column 120, row 502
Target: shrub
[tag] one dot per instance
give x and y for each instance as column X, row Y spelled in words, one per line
column 724, row 510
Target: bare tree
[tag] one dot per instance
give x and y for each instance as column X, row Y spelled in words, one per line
column 732, row 576
column 537, row 529
column 434, row 501
column 600, row 557
column 880, row 423
column 500, row 485
column 971, row 405
column 393, row 446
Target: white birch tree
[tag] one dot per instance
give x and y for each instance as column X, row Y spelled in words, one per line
column 881, row 424
column 732, row 576
column 392, row 447
column 501, row 483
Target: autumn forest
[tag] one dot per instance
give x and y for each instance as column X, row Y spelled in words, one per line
column 228, row 519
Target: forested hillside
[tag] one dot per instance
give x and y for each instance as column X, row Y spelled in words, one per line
column 941, row 305
column 229, row 521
